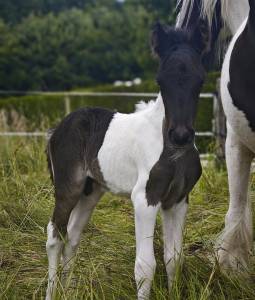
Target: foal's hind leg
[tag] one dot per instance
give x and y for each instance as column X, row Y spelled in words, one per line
column 68, row 191
column 56, row 232
column 78, row 220
column 235, row 242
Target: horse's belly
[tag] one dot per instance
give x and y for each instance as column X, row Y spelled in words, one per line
column 238, row 122
column 235, row 117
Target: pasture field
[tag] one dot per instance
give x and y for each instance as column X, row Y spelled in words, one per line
column 105, row 260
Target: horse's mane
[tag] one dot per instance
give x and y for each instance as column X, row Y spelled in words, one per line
column 185, row 7
column 207, row 10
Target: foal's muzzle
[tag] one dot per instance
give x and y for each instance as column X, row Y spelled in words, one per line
column 181, row 136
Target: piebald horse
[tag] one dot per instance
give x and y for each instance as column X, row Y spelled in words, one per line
column 238, row 98
column 149, row 155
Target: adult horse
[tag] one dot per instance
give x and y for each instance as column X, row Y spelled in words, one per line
column 149, row 155
column 238, row 98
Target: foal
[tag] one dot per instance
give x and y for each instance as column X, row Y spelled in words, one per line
column 148, row 154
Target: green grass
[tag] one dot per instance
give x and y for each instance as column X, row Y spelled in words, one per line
column 105, row 260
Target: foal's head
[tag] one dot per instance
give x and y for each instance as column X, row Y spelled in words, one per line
column 180, row 77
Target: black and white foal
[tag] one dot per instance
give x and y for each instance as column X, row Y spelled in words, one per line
column 148, row 154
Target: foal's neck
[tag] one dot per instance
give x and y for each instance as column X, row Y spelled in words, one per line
column 153, row 112
column 157, row 109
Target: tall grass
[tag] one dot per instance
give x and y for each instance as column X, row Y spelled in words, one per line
column 105, row 260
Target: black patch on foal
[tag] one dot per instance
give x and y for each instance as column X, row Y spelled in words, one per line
column 72, row 155
column 242, row 74
column 88, row 189
column 77, row 140
column 173, row 176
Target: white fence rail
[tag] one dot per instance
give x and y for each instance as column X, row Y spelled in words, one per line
column 92, row 94
column 67, row 100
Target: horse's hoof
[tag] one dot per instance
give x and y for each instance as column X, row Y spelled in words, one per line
column 232, row 262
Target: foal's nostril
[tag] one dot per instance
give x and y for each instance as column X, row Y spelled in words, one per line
column 181, row 137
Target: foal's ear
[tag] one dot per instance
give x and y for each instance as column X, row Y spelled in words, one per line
column 162, row 38
column 200, row 37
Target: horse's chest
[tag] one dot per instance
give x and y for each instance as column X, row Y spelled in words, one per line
column 129, row 147
column 117, row 166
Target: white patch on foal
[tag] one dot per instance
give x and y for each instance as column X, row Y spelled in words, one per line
column 53, row 246
column 135, row 142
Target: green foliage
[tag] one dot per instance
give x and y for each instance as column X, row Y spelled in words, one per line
column 159, row 9
column 76, row 48
column 60, row 44
column 13, row 11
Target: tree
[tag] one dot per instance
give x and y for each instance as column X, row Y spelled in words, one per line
column 76, row 48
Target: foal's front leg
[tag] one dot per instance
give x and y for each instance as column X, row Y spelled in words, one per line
column 145, row 263
column 173, row 224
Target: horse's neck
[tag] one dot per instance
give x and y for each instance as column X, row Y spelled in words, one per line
column 251, row 20
column 234, row 12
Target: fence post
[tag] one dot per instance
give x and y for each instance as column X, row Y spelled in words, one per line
column 219, row 127
column 67, row 105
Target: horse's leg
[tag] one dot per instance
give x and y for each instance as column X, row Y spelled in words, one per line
column 56, row 232
column 145, row 263
column 54, row 247
column 235, row 242
column 68, row 191
column 173, row 224
column 79, row 218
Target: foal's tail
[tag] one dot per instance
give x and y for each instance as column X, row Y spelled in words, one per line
column 48, row 153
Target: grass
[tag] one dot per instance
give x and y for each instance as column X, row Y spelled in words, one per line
column 105, row 260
